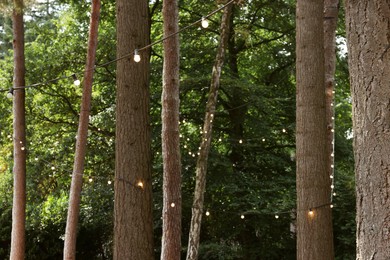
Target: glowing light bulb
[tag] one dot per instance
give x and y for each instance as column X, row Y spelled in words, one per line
column 140, row 184
column 76, row 81
column 137, row 57
column 90, row 180
column 207, row 213
column 109, row 182
column 331, row 206
column 173, row 205
column 242, row 216
column 240, row 141
column 311, row 213
column 276, row 216
column 205, row 22
column 334, row 194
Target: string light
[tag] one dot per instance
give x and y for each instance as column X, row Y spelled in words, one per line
column 242, row 216
column 76, row 81
column 173, row 205
column 311, row 213
column 207, row 213
column 140, row 184
column 10, row 93
column 205, row 22
column 137, row 57
column 276, row 216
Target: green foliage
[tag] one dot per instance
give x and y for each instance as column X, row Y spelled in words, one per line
column 251, row 170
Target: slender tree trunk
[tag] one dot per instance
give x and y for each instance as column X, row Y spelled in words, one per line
column 133, row 228
column 171, row 239
column 314, row 230
column 369, row 61
column 201, row 165
column 331, row 10
column 82, row 134
column 19, row 125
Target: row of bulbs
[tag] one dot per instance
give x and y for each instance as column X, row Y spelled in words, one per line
column 137, row 58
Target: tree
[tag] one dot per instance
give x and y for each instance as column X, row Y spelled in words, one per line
column 171, row 215
column 368, row 52
column 82, row 138
column 314, row 219
column 19, row 137
column 133, row 228
column 201, row 163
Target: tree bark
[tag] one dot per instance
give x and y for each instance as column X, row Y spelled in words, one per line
column 19, row 126
column 201, row 165
column 171, row 239
column 368, row 32
column 133, row 224
column 314, row 231
column 82, row 135
column 331, row 10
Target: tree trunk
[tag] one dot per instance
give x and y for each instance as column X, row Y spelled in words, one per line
column 82, row 135
column 201, row 165
column 171, row 239
column 369, row 61
column 133, row 228
column 314, row 229
column 19, row 125
column 331, row 10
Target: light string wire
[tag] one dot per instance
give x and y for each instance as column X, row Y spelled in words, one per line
column 121, row 57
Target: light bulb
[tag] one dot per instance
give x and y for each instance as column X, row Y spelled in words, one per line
column 10, row 93
column 242, row 216
column 137, row 57
column 173, row 205
column 76, row 81
column 90, row 180
column 140, row 184
column 276, row 216
column 311, row 213
column 207, row 213
column 109, row 182
column 205, row 22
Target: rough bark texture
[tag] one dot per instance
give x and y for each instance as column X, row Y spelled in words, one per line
column 19, row 125
column 314, row 232
column 201, row 165
column 133, row 224
column 330, row 24
column 368, row 33
column 81, row 143
column 171, row 240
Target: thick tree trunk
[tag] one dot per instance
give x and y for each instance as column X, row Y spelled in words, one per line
column 201, row 165
column 369, row 61
column 81, row 143
column 331, row 10
column 314, row 231
column 171, row 239
column 133, row 228
column 19, row 125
